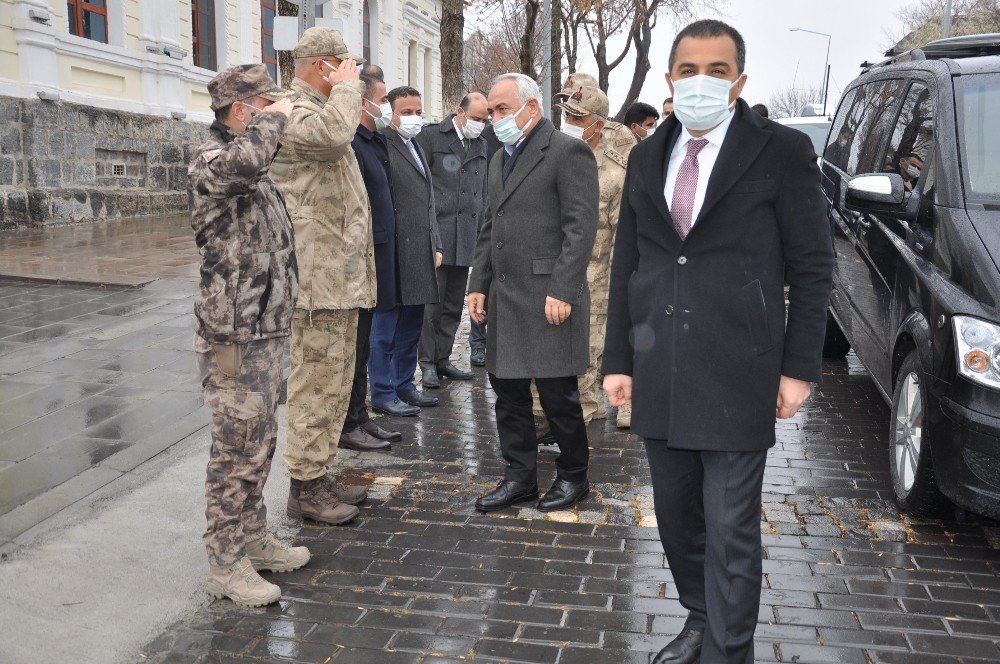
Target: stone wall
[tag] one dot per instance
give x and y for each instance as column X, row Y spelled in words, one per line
column 65, row 163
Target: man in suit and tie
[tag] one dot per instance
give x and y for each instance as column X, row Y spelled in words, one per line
column 721, row 208
column 396, row 333
column 531, row 263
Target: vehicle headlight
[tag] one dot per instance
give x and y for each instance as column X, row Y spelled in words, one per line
column 977, row 345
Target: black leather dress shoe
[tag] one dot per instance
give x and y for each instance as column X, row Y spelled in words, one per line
column 449, row 370
column 563, row 495
column 415, row 398
column 507, row 493
column 361, row 441
column 373, row 429
column 397, row 408
column 478, row 358
column 429, row 378
column 685, row 649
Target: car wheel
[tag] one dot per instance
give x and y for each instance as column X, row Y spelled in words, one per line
column 910, row 460
column 835, row 345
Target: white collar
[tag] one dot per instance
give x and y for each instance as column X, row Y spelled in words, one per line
column 715, row 137
column 454, row 123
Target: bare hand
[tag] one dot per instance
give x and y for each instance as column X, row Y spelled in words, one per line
column 438, row 259
column 792, row 393
column 618, row 388
column 556, row 311
column 477, row 307
column 347, row 71
column 283, row 106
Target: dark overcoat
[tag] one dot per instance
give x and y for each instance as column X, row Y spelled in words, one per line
column 536, row 240
column 417, row 235
column 700, row 323
column 459, row 179
column 372, row 152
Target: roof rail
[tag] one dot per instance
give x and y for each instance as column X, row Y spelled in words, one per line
column 967, row 46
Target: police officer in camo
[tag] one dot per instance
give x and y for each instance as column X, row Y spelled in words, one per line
column 243, row 314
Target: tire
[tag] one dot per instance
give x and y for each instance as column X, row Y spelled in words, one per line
column 835, row 345
column 911, row 465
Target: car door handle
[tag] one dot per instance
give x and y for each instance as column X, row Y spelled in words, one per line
column 863, row 223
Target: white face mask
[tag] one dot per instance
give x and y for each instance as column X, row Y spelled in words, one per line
column 410, row 126
column 473, row 128
column 384, row 119
column 702, row 102
column 912, row 172
column 507, row 130
column 574, row 130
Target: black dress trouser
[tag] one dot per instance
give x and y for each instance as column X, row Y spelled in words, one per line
column 357, row 409
column 708, row 514
column 560, row 399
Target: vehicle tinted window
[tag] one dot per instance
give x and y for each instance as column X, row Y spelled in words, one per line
column 856, row 144
column 981, row 125
column 911, row 146
column 837, row 146
column 816, row 133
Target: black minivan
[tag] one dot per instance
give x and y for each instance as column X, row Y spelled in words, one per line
column 911, row 171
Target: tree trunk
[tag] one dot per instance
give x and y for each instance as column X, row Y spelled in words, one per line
column 286, row 63
column 642, row 39
column 556, row 65
column 452, row 47
column 527, row 51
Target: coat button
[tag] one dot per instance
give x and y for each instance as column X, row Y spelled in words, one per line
column 682, row 260
column 499, row 245
column 670, row 310
column 503, row 277
column 499, row 213
column 463, row 170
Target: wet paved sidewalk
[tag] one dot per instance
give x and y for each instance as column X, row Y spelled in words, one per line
column 420, row 577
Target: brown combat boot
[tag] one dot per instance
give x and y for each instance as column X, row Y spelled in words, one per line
column 271, row 554
column 241, row 583
column 314, row 500
column 351, row 494
column 625, row 416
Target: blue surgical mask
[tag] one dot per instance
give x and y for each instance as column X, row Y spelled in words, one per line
column 381, row 121
column 507, row 130
column 702, row 102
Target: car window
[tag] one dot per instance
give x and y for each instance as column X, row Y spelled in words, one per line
column 911, row 146
column 816, row 133
column 856, row 145
column 981, row 126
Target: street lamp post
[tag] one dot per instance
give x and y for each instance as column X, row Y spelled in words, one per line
column 826, row 68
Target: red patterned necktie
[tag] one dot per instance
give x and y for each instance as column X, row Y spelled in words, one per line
column 687, row 182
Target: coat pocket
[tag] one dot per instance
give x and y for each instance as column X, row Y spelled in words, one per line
column 756, row 311
column 543, row 265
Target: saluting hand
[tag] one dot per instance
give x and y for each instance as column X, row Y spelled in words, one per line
column 283, row 106
column 556, row 311
column 477, row 307
column 347, row 71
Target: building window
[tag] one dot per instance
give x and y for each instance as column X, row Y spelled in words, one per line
column 366, row 32
column 88, row 18
column 203, row 33
column 267, row 53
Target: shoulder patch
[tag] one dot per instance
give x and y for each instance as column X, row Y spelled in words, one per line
column 617, row 157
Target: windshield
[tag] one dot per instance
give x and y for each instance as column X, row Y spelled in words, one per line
column 981, row 126
column 816, row 133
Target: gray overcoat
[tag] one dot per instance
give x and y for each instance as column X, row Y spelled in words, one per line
column 417, row 235
column 535, row 242
column 459, row 188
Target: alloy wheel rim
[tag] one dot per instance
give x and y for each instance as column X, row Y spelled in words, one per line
column 907, row 429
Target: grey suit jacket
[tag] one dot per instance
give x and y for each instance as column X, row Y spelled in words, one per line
column 459, row 187
column 535, row 242
column 417, row 236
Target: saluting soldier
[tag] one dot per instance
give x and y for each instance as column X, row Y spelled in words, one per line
column 243, row 313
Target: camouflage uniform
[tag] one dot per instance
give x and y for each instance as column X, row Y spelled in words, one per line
column 615, row 134
column 611, row 175
column 318, row 173
column 243, row 309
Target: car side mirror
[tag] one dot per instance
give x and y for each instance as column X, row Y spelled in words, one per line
column 875, row 192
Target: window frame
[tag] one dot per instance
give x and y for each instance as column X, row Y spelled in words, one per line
column 196, row 38
column 76, row 23
column 366, row 31
column 268, row 31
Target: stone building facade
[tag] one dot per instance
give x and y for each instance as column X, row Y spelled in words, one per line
column 102, row 101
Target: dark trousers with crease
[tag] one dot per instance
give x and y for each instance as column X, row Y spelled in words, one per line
column 708, row 514
column 441, row 319
column 357, row 410
column 560, row 399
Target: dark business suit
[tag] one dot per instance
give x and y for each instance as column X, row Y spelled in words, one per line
column 396, row 332
column 477, row 331
column 536, row 240
column 699, row 324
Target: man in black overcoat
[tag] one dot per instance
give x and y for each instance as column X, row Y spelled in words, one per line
column 721, row 207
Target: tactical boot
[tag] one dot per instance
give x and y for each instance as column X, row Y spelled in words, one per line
column 269, row 553
column 314, row 500
column 241, row 583
column 625, row 416
column 351, row 494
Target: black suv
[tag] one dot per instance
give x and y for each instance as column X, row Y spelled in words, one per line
column 911, row 171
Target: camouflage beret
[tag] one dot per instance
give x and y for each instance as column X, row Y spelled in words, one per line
column 586, row 100
column 574, row 81
column 243, row 82
column 320, row 41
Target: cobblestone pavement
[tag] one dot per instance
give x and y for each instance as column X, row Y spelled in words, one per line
column 420, row 577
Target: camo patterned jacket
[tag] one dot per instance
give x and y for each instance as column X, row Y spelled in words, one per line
column 249, row 275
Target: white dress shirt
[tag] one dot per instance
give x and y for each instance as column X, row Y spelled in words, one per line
column 458, row 130
column 706, row 162
column 416, row 155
